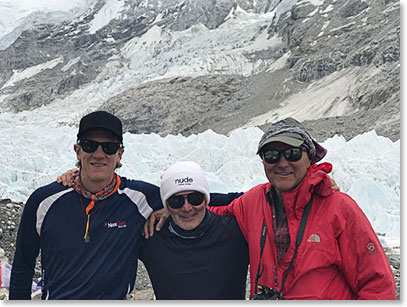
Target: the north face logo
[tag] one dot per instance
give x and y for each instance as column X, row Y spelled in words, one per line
column 184, row 181
column 372, row 249
column 314, row 238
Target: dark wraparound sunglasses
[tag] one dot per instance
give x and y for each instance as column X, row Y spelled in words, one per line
column 109, row 148
column 291, row 154
column 177, row 201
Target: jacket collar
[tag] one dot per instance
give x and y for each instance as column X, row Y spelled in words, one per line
column 316, row 181
column 195, row 233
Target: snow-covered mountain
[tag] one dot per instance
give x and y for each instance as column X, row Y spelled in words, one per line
column 18, row 16
column 181, row 66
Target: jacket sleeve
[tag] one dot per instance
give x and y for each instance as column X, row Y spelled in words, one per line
column 219, row 199
column 364, row 261
column 152, row 193
column 236, row 209
column 27, row 250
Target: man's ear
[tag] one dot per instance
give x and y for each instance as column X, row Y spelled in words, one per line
column 121, row 151
column 77, row 150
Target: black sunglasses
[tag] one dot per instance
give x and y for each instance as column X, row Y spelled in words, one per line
column 194, row 198
column 109, row 148
column 291, row 154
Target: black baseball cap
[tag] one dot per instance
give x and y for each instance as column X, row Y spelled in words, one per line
column 101, row 119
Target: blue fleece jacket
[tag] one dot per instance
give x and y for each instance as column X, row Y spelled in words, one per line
column 54, row 222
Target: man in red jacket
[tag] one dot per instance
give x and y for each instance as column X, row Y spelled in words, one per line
column 339, row 256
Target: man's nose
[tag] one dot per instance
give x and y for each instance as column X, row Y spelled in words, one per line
column 187, row 206
column 99, row 150
column 283, row 162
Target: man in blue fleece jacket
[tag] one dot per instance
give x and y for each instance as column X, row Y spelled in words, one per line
column 88, row 234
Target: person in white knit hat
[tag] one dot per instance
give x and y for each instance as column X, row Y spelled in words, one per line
column 185, row 193
column 197, row 254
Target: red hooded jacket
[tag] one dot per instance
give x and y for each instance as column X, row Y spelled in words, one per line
column 340, row 257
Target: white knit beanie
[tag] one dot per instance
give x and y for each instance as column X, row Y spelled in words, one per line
column 183, row 176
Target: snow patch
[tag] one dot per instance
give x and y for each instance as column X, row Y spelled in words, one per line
column 70, row 63
column 312, row 2
column 328, row 9
column 234, row 12
column 283, row 7
column 111, row 10
column 19, row 75
column 324, row 26
column 280, row 63
column 325, row 98
column 313, row 12
column 342, row 27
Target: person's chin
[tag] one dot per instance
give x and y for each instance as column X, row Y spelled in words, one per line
column 100, row 170
column 99, row 176
column 188, row 223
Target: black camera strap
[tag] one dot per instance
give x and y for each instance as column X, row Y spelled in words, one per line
column 262, row 243
column 300, row 234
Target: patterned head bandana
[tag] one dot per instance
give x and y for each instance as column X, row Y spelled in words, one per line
column 291, row 132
